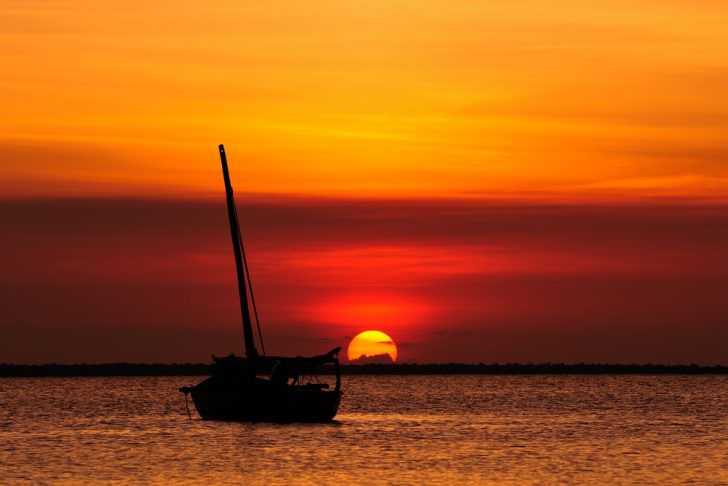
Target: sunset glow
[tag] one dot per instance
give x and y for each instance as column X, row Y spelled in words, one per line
column 487, row 180
column 607, row 100
column 486, row 241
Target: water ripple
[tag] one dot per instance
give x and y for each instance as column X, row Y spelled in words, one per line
column 396, row 430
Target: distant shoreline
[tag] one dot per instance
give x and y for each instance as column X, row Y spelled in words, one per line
column 198, row 369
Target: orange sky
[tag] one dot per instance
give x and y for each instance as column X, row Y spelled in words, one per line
column 484, row 181
column 397, row 98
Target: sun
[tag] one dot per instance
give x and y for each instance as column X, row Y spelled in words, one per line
column 371, row 344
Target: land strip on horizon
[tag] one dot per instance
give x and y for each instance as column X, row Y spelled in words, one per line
column 199, row 369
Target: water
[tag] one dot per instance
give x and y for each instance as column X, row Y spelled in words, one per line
column 395, row 430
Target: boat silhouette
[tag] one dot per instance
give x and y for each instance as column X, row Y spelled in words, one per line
column 260, row 387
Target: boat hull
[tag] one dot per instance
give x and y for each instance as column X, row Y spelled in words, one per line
column 263, row 402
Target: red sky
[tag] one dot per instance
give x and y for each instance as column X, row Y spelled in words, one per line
column 152, row 280
column 483, row 181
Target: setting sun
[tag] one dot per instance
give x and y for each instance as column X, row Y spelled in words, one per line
column 371, row 344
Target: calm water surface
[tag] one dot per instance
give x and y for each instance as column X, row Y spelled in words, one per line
column 395, row 430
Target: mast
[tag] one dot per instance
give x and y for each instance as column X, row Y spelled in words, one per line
column 250, row 351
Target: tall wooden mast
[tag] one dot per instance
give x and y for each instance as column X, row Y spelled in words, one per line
column 250, row 351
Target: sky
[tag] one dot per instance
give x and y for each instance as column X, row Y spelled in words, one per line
column 483, row 181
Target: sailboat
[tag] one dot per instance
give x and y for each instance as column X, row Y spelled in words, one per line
column 259, row 387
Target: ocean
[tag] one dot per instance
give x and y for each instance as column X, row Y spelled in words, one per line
column 605, row 429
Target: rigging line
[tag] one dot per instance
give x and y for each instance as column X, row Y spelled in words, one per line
column 250, row 287
column 255, row 307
